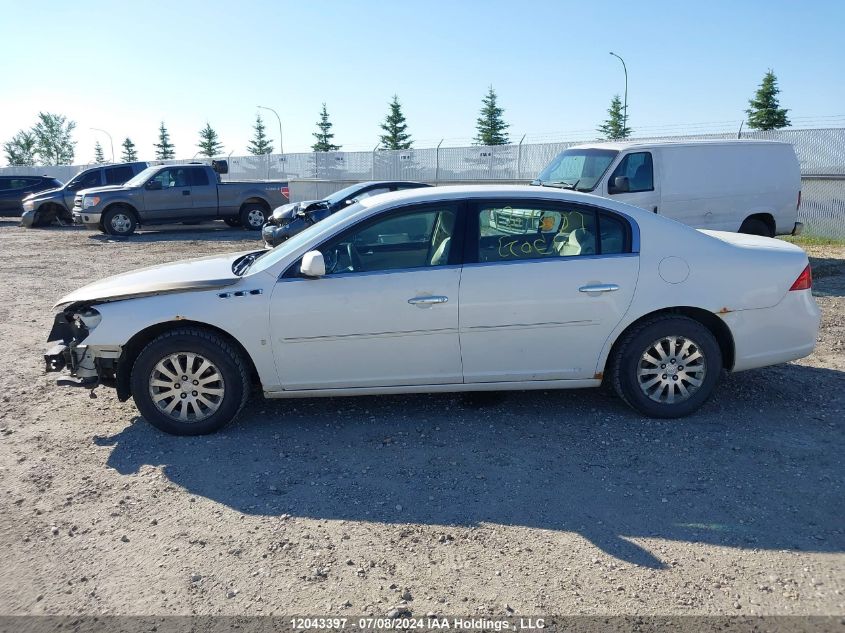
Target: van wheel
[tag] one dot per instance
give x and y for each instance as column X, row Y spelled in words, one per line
column 253, row 216
column 667, row 367
column 755, row 226
column 119, row 221
column 189, row 382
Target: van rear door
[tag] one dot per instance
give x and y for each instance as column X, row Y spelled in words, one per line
column 634, row 181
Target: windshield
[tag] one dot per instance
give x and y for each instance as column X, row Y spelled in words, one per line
column 579, row 169
column 142, row 177
column 343, row 194
column 268, row 258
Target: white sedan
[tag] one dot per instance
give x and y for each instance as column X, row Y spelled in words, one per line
column 425, row 291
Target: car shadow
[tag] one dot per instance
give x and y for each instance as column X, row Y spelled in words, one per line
column 211, row 232
column 739, row 473
column 828, row 276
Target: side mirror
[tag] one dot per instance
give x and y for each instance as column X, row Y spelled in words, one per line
column 154, row 185
column 620, row 184
column 313, row 264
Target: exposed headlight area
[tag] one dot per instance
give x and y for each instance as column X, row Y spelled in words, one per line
column 90, row 201
column 28, row 205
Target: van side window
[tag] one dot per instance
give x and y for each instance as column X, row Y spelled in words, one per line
column 639, row 171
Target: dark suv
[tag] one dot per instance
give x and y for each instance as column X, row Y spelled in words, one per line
column 13, row 189
column 57, row 204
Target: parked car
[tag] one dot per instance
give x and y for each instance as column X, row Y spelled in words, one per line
column 291, row 218
column 178, row 193
column 13, row 189
column 409, row 292
column 43, row 208
column 748, row 186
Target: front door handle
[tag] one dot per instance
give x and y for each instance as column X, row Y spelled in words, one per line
column 599, row 288
column 427, row 301
column 186, row 192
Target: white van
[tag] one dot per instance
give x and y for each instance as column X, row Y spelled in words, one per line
column 747, row 186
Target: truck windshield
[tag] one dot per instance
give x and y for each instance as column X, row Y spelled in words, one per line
column 579, row 169
column 142, row 177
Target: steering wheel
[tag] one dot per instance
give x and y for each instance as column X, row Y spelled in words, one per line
column 354, row 258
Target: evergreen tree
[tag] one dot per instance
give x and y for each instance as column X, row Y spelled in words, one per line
column 209, row 144
column 765, row 112
column 491, row 127
column 394, row 126
column 53, row 142
column 99, row 158
column 324, row 136
column 260, row 143
column 615, row 126
column 21, row 149
column 164, row 148
column 129, row 153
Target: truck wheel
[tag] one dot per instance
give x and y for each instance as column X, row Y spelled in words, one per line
column 666, row 367
column 233, row 222
column 754, row 226
column 119, row 221
column 253, row 216
column 189, row 382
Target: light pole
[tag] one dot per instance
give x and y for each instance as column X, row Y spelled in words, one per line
column 111, row 142
column 625, row 106
column 281, row 145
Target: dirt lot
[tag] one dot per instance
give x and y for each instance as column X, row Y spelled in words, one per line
column 526, row 503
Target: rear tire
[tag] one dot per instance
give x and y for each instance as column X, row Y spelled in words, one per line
column 667, row 367
column 233, row 222
column 189, row 381
column 253, row 216
column 119, row 221
column 755, row 226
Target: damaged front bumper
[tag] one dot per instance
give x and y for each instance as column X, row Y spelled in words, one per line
column 87, row 366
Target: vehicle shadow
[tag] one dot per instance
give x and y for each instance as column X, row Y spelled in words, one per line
column 211, row 232
column 740, row 473
column 828, row 276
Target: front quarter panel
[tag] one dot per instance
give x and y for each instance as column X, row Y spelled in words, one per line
column 235, row 309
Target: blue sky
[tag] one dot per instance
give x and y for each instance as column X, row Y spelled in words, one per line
column 126, row 66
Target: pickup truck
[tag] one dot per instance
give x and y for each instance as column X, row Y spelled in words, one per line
column 56, row 204
column 178, row 193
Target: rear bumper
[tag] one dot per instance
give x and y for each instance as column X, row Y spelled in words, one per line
column 769, row 336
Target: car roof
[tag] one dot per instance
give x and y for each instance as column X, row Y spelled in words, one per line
column 393, row 183
column 460, row 192
column 621, row 145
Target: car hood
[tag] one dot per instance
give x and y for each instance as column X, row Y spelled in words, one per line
column 192, row 274
column 99, row 189
column 46, row 193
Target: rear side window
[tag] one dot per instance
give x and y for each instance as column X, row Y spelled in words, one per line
column 638, row 169
column 199, row 177
column 614, row 235
column 118, row 175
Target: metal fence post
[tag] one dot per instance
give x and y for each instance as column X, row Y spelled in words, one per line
column 437, row 162
column 519, row 159
column 373, row 163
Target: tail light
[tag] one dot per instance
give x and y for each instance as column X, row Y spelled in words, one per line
column 798, row 206
column 804, row 281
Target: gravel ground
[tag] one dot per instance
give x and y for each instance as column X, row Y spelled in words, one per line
column 525, row 503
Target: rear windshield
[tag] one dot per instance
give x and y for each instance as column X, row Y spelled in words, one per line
column 579, row 169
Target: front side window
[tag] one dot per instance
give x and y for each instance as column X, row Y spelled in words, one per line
column 408, row 239
column 638, row 169
column 174, row 177
column 533, row 231
column 86, row 181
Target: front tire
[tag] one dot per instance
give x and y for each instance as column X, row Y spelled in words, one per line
column 253, row 216
column 667, row 367
column 189, row 382
column 119, row 221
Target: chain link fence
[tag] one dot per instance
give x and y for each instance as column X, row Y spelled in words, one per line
column 821, row 153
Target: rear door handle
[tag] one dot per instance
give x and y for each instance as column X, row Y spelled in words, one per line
column 186, row 192
column 427, row 301
column 599, row 288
